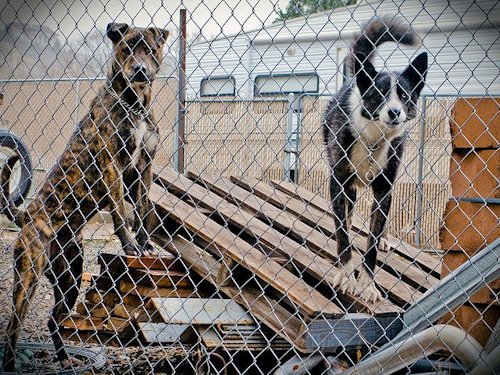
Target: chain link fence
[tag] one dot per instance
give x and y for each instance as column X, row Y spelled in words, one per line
column 230, row 203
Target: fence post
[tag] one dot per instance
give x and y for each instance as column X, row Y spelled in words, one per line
column 420, row 194
column 289, row 146
column 181, row 111
column 78, row 102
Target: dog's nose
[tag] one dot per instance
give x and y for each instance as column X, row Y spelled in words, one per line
column 394, row 113
column 139, row 68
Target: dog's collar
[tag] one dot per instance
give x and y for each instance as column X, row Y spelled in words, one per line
column 142, row 113
column 375, row 146
column 370, row 175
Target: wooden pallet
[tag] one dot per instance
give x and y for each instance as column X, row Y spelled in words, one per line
column 270, row 248
column 118, row 299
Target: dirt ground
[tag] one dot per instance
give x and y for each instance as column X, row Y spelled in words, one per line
column 135, row 360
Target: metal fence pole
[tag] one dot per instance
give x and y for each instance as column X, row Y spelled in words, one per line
column 181, row 112
column 77, row 103
column 289, row 146
column 421, row 147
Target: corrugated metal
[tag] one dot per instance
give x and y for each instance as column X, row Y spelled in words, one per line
column 459, row 36
column 222, row 57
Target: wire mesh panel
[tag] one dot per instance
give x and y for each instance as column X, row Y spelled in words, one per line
column 229, row 187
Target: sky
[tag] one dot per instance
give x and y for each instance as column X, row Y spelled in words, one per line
column 73, row 18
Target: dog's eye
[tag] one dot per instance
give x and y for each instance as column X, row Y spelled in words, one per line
column 404, row 96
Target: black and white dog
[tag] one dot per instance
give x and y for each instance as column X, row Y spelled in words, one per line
column 364, row 135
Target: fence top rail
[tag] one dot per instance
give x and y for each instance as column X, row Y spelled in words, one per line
column 68, row 79
column 435, row 95
column 238, row 100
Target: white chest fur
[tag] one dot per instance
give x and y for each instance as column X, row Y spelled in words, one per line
column 145, row 138
column 368, row 161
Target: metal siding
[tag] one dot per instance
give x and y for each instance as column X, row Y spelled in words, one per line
column 216, row 58
column 458, row 59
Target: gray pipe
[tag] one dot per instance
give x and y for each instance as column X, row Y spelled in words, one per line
column 423, row 344
column 490, row 366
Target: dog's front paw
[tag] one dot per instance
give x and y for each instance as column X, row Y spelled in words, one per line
column 150, row 251
column 367, row 289
column 371, row 294
column 384, row 244
column 132, row 249
column 345, row 279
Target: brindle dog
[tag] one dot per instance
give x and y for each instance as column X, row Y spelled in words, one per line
column 107, row 159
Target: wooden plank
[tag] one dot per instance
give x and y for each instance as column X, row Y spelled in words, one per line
column 110, row 299
column 146, row 313
column 121, row 261
column 309, row 301
column 426, row 261
column 397, row 290
column 89, row 323
column 201, row 311
column 160, row 278
column 96, row 296
column 153, row 292
column 320, row 268
column 409, row 271
column 320, row 333
column 264, row 308
column 96, row 310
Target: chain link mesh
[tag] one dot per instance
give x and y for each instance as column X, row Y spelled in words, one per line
column 235, row 193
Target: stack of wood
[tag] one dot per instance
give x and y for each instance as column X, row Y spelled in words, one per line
column 471, row 216
column 269, row 247
column 119, row 298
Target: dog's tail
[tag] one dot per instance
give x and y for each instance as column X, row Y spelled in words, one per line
column 377, row 31
column 7, row 205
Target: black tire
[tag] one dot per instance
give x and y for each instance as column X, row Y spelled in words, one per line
column 12, row 144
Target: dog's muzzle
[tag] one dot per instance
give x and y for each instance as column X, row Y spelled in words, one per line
column 140, row 73
column 394, row 116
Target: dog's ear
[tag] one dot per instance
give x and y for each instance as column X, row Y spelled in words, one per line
column 116, row 31
column 416, row 72
column 160, row 35
column 365, row 74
